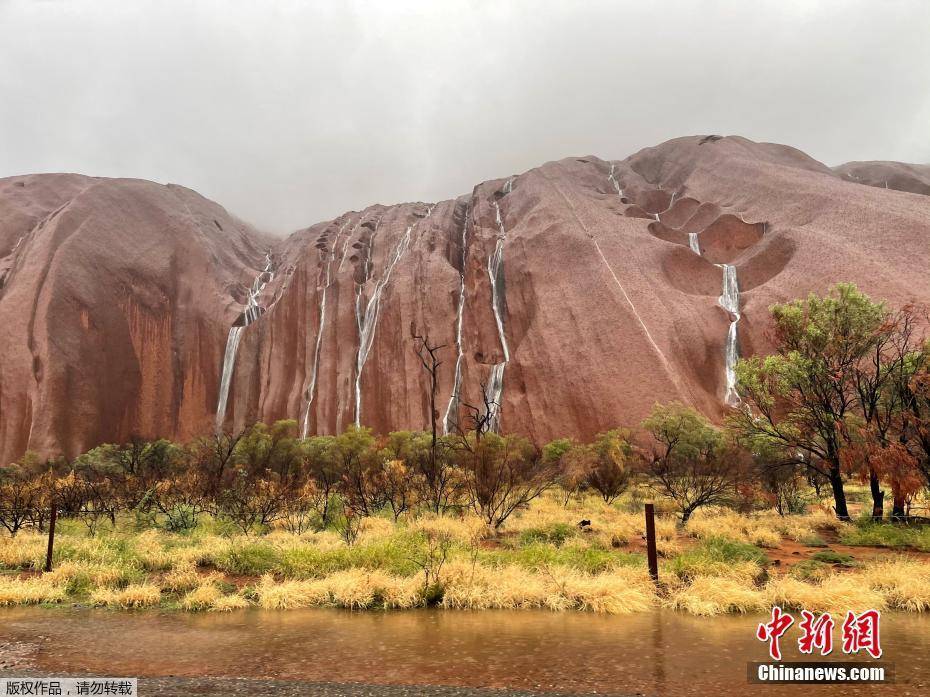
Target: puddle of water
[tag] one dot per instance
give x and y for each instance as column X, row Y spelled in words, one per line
column 650, row 653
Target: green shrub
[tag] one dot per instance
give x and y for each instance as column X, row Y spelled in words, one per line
column 829, row 556
column 716, row 556
column 869, row 533
column 813, row 541
column 555, row 534
column 809, row 570
column 248, row 559
column 312, row 562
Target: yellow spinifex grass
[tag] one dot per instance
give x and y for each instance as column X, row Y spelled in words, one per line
column 618, row 591
column 610, row 526
column 25, row 551
column 715, row 595
column 465, row 530
column 837, row 593
column 289, row 595
column 209, row 596
column 540, row 559
column 905, row 583
column 760, row 529
column 182, row 578
column 621, row 591
column 228, row 603
column 359, row 589
column 202, row 597
column 477, row 587
column 95, row 573
column 31, row 591
column 135, row 595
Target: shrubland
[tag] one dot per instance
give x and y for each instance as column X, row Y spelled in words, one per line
column 479, row 519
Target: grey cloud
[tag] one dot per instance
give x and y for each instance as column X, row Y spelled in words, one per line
column 292, row 112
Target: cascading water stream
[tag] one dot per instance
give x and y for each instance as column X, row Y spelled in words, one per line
column 310, row 392
column 693, row 243
column 252, row 312
column 612, row 178
column 495, row 386
column 367, row 321
column 450, row 420
column 729, row 301
column 667, row 208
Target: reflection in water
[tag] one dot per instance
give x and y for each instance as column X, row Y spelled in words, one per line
column 651, row 653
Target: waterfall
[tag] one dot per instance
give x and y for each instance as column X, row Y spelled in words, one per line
column 693, row 243
column 668, row 207
column 495, row 387
column 729, row 301
column 16, row 246
column 367, row 321
column 251, row 313
column 612, row 178
column 310, row 392
column 451, row 417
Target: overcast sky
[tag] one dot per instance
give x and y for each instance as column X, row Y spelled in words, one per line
column 291, row 112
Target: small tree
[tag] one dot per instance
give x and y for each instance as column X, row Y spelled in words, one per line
column 783, row 483
column 177, row 501
column 913, row 427
column 131, row 470
column 610, row 458
column 503, row 474
column 304, row 508
column 323, row 467
column 250, row 501
column 690, row 462
column 571, row 462
column 23, row 492
column 356, row 455
column 800, row 398
column 398, row 486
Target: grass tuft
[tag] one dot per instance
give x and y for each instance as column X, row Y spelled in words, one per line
column 135, row 595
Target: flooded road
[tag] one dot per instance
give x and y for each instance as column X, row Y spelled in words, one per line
column 660, row 653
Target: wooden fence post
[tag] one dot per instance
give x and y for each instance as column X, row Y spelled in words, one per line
column 651, row 542
column 51, row 537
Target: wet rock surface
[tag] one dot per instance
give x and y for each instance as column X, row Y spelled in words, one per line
column 578, row 293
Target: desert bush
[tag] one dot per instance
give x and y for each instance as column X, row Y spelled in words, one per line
column 248, row 559
column 611, row 457
column 503, row 473
column 555, row 533
column 690, row 463
column 24, row 493
column 829, row 556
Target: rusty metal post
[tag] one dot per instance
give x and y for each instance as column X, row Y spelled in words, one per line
column 651, row 542
column 51, row 538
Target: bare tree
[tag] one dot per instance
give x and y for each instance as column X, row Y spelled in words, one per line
column 429, row 358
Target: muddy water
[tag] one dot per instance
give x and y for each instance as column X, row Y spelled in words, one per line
column 660, row 653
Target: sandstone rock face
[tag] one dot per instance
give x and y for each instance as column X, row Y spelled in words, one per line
column 888, row 175
column 115, row 298
column 577, row 294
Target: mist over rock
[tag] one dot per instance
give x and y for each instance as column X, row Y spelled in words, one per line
column 578, row 294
